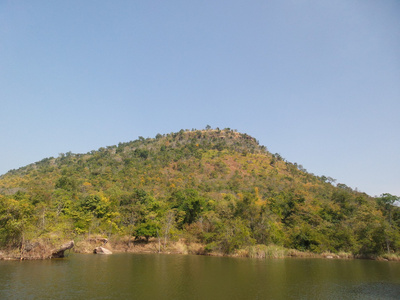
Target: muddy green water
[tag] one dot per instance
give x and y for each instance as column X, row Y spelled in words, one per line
column 152, row 276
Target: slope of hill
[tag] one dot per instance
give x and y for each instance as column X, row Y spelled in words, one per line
column 218, row 188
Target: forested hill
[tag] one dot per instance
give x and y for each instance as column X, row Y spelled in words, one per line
column 215, row 187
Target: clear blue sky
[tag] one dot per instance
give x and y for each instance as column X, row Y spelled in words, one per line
column 316, row 81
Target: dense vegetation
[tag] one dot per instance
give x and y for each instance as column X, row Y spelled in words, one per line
column 217, row 187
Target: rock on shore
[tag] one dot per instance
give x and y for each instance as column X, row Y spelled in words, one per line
column 101, row 250
column 59, row 253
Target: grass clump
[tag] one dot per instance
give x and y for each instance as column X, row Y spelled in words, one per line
column 264, row 251
column 390, row 257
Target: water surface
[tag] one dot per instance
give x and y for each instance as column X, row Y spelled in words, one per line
column 153, row 276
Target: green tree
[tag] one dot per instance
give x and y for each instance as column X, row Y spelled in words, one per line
column 232, row 235
column 147, row 229
column 386, row 202
column 189, row 202
column 15, row 219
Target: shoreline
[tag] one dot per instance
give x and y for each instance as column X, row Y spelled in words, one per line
column 153, row 246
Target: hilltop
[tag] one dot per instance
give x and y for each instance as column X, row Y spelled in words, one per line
column 217, row 189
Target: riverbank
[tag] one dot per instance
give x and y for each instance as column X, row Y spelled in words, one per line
column 43, row 249
column 124, row 244
column 38, row 250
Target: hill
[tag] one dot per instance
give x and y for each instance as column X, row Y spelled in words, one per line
column 216, row 188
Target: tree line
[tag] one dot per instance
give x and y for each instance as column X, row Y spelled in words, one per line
column 219, row 188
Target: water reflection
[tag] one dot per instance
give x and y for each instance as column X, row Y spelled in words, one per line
column 141, row 276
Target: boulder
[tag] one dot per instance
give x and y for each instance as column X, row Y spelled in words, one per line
column 101, row 250
column 59, row 253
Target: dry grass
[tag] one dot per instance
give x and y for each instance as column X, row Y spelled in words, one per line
column 196, row 248
column 262, row 252
column 341, row 255
column 345, row 255
column 84, row 244
column 37, row 249
column 124, row 244
column 390, row 257
column 241, row 253
column 301, row 254
column 180, row 247
column 271, row 251
column 83, row 247
column 41, row 249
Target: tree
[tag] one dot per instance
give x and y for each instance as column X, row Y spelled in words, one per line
column 168, row 223
column 129, row 217
column 148, row 229
column 231, row 235
column 190, row 202
column 15, row 216
column 386, row 201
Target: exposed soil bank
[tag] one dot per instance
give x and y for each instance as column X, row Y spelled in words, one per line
column 124, row 244
column 41, row 250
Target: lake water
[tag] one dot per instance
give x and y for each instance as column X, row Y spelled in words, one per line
column 153, row 276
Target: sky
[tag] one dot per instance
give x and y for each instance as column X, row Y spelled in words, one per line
column 316, row 81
